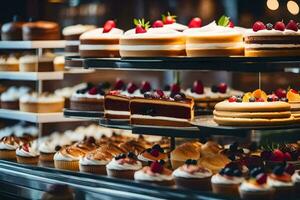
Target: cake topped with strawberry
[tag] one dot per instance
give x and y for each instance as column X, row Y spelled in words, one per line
column 169, row 21
column 278, row 39
column 156, row 41
column 101, row 42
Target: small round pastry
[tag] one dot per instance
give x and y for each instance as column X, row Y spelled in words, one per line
column 282, row 182
column 132, row 146
column 272, row 40
column 214, row 40
column 193, row 176
column 152, row 42
column 47, row 150
column 101, row 42
column 8, row 146
column 12, row 30
column 42, row 103
column 156, row 173
column 33, row 63
column 71, row 35
column 182, row 153
column 256, row 187
column 153, row 154
column 95, row 162
column 123, row 166
column 10, row 63
column 41, row 30
column 28, row 153
column 59, row 63
column 296, row 181
column 169, row 21
column 10, row 98
column 227, row 181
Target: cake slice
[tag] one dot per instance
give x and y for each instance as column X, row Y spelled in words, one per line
column 160, row 110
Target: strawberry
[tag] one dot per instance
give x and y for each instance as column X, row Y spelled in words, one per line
column 119, row 85
column 145, row 87
column 278, row 155
column 110, row 24
column 292, row 25
column 131, row 88
column 157, row 24
column 155, row 152
column 114, row 92
column 141, row 26
column 168, row 19
column 261, row 178
column 294, row 91
column 26, row 147
column 257, row 26
column 280, row 26
column 259, row 100
column 222, row 87
column 231, row 24
column 232, row 99
column 198, row 87
column 287, row 156
column 195, row 23
column 175, row 88
column 156, row 167
column 160, row 93
column 281, row 93
column 93, row 91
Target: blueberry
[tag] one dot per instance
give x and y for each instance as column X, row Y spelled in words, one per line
column 100, row 91
column 234, row 146
column 228, row 172
column 149, row 150
column 131, row 155
column 269, row 26
column 237, row 173
column 178, row 97
column 105, row 85
column 255, row 171
column 188, row 161
column 252, row 99
column 240, row 150
column 57, row 148
column 148, row 95
column 253, row 146
column 222, row 171
column 278, row 170
column 117, row 157
column 239, row 100
column 284, row 99
column 161, row 162
column 194, row 162
column 214, row 88
column 270, row 99
column 231, row 157
column 156, row 146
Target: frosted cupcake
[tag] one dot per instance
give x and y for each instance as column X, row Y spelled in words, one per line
column 156, row 173
column 8, row 146
column 28, row 153
column 123, row 166
column 193, row 176
column 152, row 154
column 227, row 181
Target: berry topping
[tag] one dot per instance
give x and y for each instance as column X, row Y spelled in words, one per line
column 57, row 147
column 214, row 88
column 287, row 156
column 198, row 87
column 104, row 85
column 232, row 99
column 110, row 24
column 93, row 91
column 155, row 152
column 231, row 24
column 222, row 87
column 266, row 155
column 290, row 169
column 179, row 97
column 157, row 24
column 272, row 98
column 269, row 26
column 228, row 171
column 252, row 99
column 294, row 91
column 131, row 155
column 148, row 95
column 160, row 93
column 168, row 19
column 191, row 162
column 237, row 173
column 131, row 88
column 25, row 147
column 239, row 100
column 156, row 146
column 91, row 140
column 278, row 170
column 162, row 162
column 119, row 85
column 292, row 25
column 120, row 156
column 261, row 178
column 175, row 89
column 298, row 25
column 257, row 26
column 141, row 26
column 278, row 155
column 114, row 92
column 281, row 93
column 260, row 100
column 280, row 26
column 145, row 87
column 195, row 23
column 156, row 167
column 255, row 171
column 284, row 99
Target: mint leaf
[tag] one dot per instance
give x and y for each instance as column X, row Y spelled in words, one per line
column 223, row 21
column 135, row 21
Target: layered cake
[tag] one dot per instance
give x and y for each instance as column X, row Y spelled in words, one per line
column 294, row 100
column 151, row 42
column 254, row 108
column 71, row 35
column 10, row 63
column 158, row 109
column 33, row 63
column 41, row 30
column 101, row 42
column 272, row 40
column 41, row 103
column 12, row 30
column 10, row 98
column 67, row 92
column 206, row 97
column 214, row 40
column 59, row 63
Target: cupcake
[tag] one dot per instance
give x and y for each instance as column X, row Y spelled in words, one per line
column 183, row 152
column 256, row 187
column 123, row 166
column 193, row 176
column 8, row 146
column 152, row 154
column 282, row 182
column 156, row 173
column 28, row 153
column 227, row 181
column 296, row 180
column 95, row 161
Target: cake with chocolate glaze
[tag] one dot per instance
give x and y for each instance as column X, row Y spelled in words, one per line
column 273, row 40
column 158, row 41
column 158, row 109
column 214, row 40
column 41, row 30
column 101, row 42
column 71, row 35
column 12, row 30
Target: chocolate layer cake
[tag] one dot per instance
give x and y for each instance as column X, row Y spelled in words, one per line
column 41, row 30
column 161, row 110
column 116, row 106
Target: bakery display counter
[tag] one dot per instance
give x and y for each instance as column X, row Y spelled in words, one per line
column 32, row 76
column 30, row 182
column 32, row 44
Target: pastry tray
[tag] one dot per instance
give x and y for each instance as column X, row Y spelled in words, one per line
column 235, row 63
column 93, row 115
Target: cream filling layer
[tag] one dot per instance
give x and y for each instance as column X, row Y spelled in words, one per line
column 111, row 47
column 275, row 46
column 227, row 45
column 115, row 112
column 72, row 42
column 159, row 117
column 151, row 47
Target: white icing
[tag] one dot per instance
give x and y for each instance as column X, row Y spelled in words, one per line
column 34, row 97
column 14, row 93
column 11, row 60
column 33, row 152
column 226, row 45
column 219, row 179
column 273, row 32
column 48, row 146
column 72, row 43
column 5, row 146
column 183, row 174
column 276, row 183
column 142, row 176
column 176, row 26
column 158, row 117
column 296, row 177
column 136, row 93
column 115, row 112
column 137, row 47
column 35, row 59
column 162, row 32
column 67, row 92
column 59, row 60
column 77, row 29
column 111, row 47
column 87, row 161
column 95, row 34
column 246, row 186
column 60, row 156
column 115, row 165
column 276, row 46
column 87, row 95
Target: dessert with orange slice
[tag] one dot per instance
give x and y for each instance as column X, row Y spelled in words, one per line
column 254, row 108
column 293, row 97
